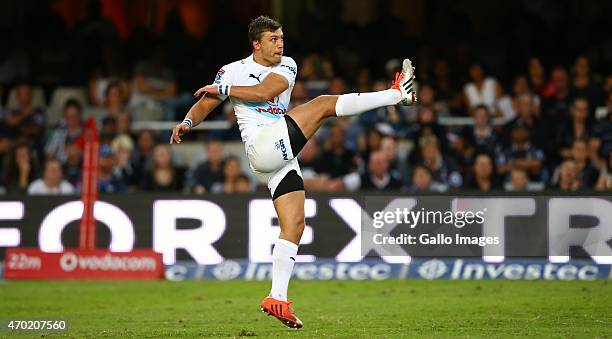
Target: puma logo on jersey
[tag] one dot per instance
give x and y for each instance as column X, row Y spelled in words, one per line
column 255, row 77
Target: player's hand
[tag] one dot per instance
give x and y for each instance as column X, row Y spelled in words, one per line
column 177, row 132
column 208, row 90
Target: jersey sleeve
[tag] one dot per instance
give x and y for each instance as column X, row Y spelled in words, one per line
column 223, row 77
column 288, row 69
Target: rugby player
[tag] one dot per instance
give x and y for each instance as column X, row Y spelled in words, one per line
column 259, row 87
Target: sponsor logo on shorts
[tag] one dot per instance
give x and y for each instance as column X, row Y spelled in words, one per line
column 280, row 145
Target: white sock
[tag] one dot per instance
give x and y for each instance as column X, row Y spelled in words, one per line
column 283, row 259
column 356, row 103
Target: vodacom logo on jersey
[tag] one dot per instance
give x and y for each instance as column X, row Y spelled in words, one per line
column 273, row 107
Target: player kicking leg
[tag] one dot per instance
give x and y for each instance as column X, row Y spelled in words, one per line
column 274, row 150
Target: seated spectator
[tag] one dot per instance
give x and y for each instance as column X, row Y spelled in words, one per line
column 20, row 169
column 52, row 182
column 231, row 173
column 211, row 171
column 537, row 78
column 336, row 160
column 443, row 169
column 556, row 106
column 162, row 177
column 540, row 134
column 114, row 100
column 482, row 177
column 108, row 132
column 521, row 153
column 369, row 142
column 27, row 122
column 378, row 177
column 422, row 181
column 427, row 97
column 600, row 144
column 388, row 146
column 481, row 135
column 427, row 126
column 141, row 157
column 568, row 177
column 68, row 130
column 579, row 127
column 583, row 84
column 604, row 183
column 242, row 184
column 73, row 166
column 122, row 147
column 507, row 103
column 519, row 180
column 153, row 80
column 110, row 178
column 587, row 173
column 481, row 90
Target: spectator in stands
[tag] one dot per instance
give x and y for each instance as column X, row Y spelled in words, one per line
column 72, row 165
column 481, row 135
column 568, row 177
column 483, row 176
column 114, row 100
column 377, row 176
column 388, row 146
column 20, row 169
column 211, row 171
column 604, row 183
column 231, row 133
column 52, row 182
column 556, row 106
column 337, row 160
column 141, row 157
column 123, row 147
column 600, row 144
column 443, row 169
column 110, row 178
column 519, row 180
column 231, row 174
column 299, row 95
column 162, row 177
column 537, row 78
column 507, row 104
column 578, row 127
column 587, row 173
column 108, row 132
column 427, row 126
column 445, row 89
column 68, row 130
column 521, row 153
column 539, row 133
column 26, row 123
column 124, row 125
column 481, row 90
column 153, row 81
column 242, row 184
column 394, row 116
column 583, row 84
column 422, row 181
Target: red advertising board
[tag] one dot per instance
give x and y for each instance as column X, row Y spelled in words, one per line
column 31, row 263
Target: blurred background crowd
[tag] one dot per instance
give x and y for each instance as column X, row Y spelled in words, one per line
column 513, row 96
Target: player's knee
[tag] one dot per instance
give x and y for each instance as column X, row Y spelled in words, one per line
column 299, row 227
column 327, row 104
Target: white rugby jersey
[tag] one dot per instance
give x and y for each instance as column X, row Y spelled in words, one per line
column 252, row 116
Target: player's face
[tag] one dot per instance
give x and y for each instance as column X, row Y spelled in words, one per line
column 271, row 46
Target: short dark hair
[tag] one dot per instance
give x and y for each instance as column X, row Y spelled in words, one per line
column 72, row 102
column 262, row 24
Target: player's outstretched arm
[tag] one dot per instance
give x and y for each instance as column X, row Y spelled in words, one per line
column 273, row 85
column 198, row 112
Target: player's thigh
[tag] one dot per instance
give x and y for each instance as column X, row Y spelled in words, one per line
column 270, row 150
column 310, row 116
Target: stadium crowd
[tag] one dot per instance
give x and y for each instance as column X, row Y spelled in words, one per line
column 545, row 127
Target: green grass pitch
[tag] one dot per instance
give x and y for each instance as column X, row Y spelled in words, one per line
column 344, row 309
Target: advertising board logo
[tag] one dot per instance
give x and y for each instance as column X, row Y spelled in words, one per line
column 227, row 270
column 432, row 269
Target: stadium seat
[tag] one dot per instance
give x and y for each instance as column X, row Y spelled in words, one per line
column 58, row 100
column 38, row 99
